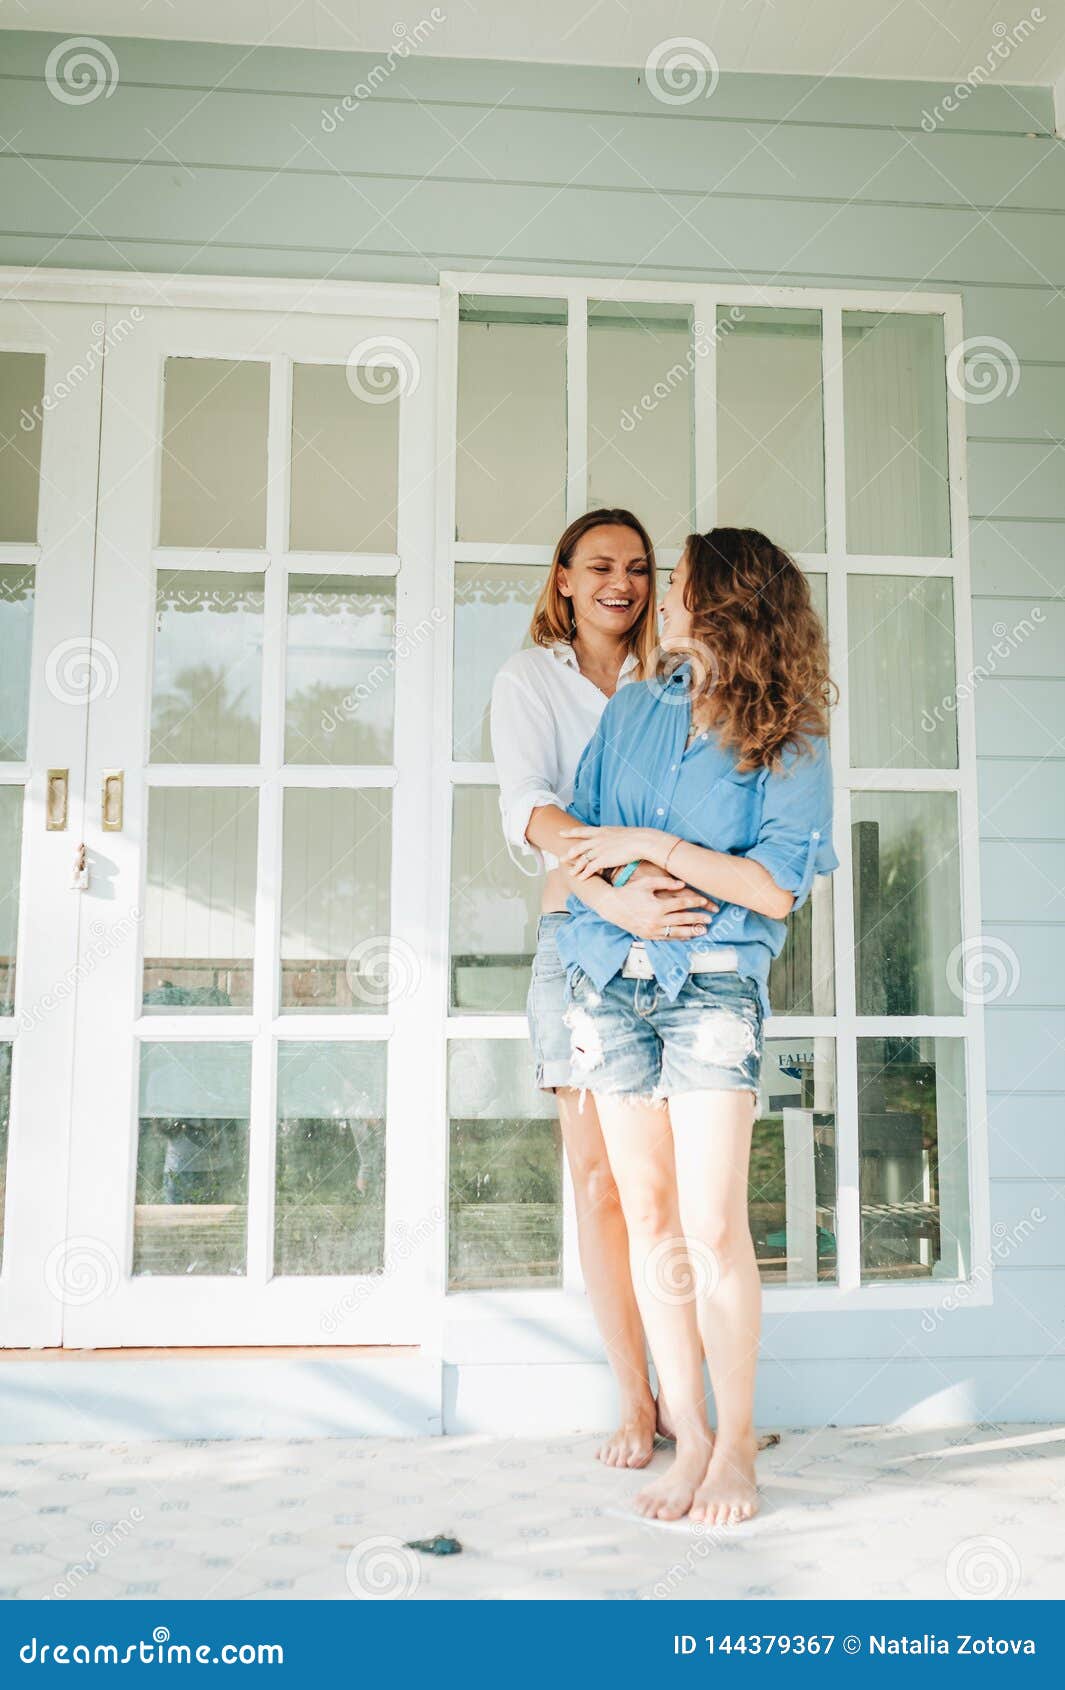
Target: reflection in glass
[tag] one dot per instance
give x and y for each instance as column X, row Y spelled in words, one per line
column 903, row 698
column 191, row 1211
column 10, row 860
column 213, row 486
column 5, row 1116
column 21, row 427
column 640, row 424
column 339, row 669
column 802, row 979
column 493, row 608
column 907, row 901
column 345, row 458
column 207, row 679
column 505, row 1171
column 792, row 1185
column 330, row 1196
column 16, row 639
column 511, row 460
column 494, row 909
column 895, row 434
column 770, row 425
column 335, row 949
column 199, row 918
column 914, row 1160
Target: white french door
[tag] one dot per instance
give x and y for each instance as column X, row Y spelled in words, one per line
column 49, row 422
column 249, row 1092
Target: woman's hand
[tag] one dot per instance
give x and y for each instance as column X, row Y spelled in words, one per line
column 656, row 906
column 606, row 847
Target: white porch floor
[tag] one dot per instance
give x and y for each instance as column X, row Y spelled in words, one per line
column 868, row 1512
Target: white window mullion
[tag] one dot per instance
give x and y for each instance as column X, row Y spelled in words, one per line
column 832, row 400
column 704, row 388
column 576, row 404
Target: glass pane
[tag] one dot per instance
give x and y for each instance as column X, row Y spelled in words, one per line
column 802, row 979
column 640, row 423
column 901, row 672
column 330, row 1200
column 214, row 476
column 345, row 458
column 10, row 859
column 907, row 901
column 895, row 434
column 792, row 1187
column 207, row 680
column 5, row 1116
column 505, row 1173
column 191, row 1213
column 511, row 462
column 21, row 426
column 335, row 947
column 493, row 608
column 339, row 669
column 16, row 637
column 199, row 919
column 914, row 1160
column 770, row 425
column 494, row 909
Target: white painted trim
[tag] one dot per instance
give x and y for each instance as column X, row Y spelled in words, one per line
column 236, row 293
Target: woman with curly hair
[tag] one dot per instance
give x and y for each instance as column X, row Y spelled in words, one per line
column 717, row 772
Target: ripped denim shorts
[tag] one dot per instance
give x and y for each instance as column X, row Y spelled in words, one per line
column 630, row 1040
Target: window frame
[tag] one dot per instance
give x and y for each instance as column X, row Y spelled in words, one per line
column 466, row 1309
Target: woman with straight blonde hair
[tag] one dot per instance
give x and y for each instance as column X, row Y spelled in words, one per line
column 594, row 630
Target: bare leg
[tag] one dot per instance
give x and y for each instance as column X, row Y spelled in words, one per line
column 640, row 1143
column 604, row 1252
column 712, row 1145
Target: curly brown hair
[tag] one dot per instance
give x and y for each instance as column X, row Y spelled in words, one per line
column 766, row 686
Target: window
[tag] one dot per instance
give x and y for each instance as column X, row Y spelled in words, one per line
column 824, row 419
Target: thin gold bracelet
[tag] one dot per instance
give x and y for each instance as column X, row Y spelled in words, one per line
column 669, row 853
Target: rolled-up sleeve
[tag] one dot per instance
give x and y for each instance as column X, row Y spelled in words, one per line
column 794, row 841
column 525, row 749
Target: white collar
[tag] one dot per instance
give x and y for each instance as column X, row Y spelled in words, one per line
column 566, row 654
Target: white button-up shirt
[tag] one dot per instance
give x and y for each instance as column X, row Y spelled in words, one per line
column 544, row 712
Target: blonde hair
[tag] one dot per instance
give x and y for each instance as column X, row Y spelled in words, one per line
column 552, row 619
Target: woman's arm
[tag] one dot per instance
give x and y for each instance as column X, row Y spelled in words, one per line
column 732, row 880
column 645, row 907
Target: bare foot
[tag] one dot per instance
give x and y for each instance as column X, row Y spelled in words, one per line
column 670, row 1496
column 632, row 1445
column 663, row 1423
column 729, row 1492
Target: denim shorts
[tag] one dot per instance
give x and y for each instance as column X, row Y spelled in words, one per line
column 630, row 1040
column 546, row 1007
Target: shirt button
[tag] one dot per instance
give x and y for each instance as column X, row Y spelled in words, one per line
column 815, row 834
column 660, row 811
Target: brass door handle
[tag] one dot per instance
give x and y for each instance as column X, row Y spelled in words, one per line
column 55, row 809
column 111, row 801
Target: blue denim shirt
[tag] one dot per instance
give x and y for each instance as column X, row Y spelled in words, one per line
column 635, row 772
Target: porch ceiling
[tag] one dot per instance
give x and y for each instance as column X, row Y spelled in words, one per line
column 930, row 39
